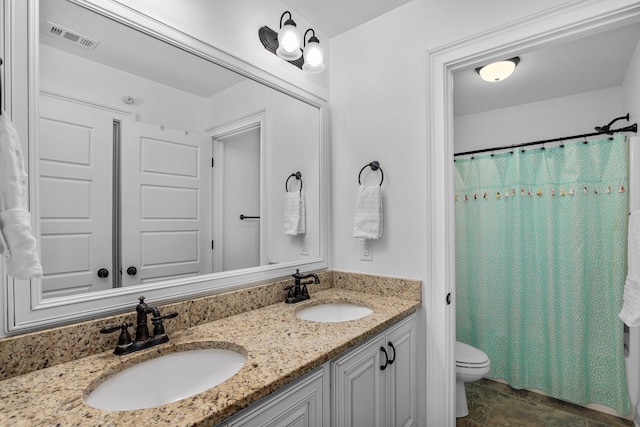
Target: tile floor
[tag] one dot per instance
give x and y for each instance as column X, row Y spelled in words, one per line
column 494, row 404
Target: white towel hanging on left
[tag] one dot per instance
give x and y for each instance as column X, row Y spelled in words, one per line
column 630, row 312
column 295, row 221
column 17, row 243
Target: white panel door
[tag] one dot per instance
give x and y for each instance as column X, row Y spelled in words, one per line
column 165, row 200
column 75, row 151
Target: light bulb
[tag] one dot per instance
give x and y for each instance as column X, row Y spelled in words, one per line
column 289, row 42
column 313, row 57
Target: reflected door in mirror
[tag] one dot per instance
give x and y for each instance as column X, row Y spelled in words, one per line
column 165, row 199
column 75, row 156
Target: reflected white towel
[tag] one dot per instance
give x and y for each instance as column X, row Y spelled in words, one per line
column 630, row 312
column 368, row 219
column 20, row 251
column 17, row 243
column 295, row 221
column 13, row 177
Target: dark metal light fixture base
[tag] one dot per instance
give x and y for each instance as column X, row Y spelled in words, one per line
column 269, row 39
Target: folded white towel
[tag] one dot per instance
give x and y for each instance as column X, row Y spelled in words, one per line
column 368, row 219
column 630, row 312
column 19, row 251
column 295, row 221
column 17, row 243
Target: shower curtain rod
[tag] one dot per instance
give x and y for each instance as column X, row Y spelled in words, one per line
column 600, row 131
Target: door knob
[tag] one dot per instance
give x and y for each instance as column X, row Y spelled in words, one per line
column 103, row 273
column 132, row 271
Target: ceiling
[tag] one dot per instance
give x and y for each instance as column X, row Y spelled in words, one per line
column 595, row 62
column 129, row 50
column 333, row 17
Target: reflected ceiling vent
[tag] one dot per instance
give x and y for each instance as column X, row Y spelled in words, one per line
column 69, row 36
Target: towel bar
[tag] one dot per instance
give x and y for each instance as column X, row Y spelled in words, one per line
column 243, row 217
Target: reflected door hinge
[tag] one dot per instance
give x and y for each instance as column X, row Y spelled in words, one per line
column 212, row 162
column 212, row 245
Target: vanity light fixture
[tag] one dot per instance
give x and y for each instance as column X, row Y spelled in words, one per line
column 313, row 54
column 286, row 45
column 497, row 71
column 288, row 40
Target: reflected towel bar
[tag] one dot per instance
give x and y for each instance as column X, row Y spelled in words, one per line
column 243, row 217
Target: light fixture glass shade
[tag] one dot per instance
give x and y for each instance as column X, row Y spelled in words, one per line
column 289, row 42
column 497, row 71
column 313, row 57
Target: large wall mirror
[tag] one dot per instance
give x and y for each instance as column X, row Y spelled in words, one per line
column 158, row 165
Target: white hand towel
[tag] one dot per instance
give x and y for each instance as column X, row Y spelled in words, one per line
column 630, row 312
column 368, row 219
column 294, row 214
column 17, row 243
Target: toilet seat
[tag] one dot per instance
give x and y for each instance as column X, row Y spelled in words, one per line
column 469, row 357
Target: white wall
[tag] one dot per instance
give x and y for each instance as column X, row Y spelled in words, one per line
column 631, row 86
column 553, row 118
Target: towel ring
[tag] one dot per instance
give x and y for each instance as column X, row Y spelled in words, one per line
column 298, row 176
column 375, row 165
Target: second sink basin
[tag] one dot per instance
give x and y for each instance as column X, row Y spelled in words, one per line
column 166, row 379
column 334, row 312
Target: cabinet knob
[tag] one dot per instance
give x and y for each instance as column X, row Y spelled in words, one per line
column 103, row 273
column 132, row 271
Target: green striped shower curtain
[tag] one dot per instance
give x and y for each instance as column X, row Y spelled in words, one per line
column 540, row 267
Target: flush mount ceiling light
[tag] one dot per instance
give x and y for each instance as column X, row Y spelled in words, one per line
column 286, row 45
column 313, row 54
column 497, row 71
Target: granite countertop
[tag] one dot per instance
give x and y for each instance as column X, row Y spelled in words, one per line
column 279, row 347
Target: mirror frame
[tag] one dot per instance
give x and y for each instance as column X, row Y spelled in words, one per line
column 25, row 308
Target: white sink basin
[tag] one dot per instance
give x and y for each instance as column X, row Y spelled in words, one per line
column 166, row 379
column 333, row 312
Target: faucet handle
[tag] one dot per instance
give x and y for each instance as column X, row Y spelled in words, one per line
column 158, row 327
column 112, row 328
column 166, row 316
column 124, row 340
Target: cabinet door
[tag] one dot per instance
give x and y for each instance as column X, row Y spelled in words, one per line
column 299, row 405
column 358, row 387
column 402, row 386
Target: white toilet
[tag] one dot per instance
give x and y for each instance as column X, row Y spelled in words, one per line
column 471, row 365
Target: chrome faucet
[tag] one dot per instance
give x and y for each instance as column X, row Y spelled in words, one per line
column 298, row 291
column 125, row 345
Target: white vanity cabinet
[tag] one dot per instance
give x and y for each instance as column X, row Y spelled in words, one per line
column 305, row 403
column 349, row 391
column 375, row 384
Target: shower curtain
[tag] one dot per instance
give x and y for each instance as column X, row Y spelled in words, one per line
column 540, row 267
